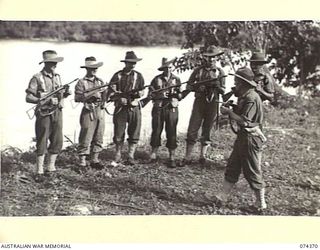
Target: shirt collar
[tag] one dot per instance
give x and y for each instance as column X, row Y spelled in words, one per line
column 126, row 73
column 47, row 74
column 90, row 78
column 247, row 93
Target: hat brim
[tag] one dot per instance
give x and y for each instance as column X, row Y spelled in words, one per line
column 166, row 65
column 163, row 67
column 131, row 60
column 258, row 61
column 93, row 66
column 252, row 83
column 56, row 59
column 213, row 54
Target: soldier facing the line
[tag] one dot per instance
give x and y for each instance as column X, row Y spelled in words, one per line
column 165, row 110
column 92, row 118
column 205, row 106
column 127, row 108
column 48, row 126
column 263, row 78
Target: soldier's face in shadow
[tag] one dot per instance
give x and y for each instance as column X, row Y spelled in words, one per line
column 167, row 70
column 50, row 66
column 210, row 61
column 256, row 67
column 91, row 72
column 129, row 65
column 238, row 87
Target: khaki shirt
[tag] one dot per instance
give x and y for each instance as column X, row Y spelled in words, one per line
column 124, row 82
column 43, row 82
column 202, row 73
column 161, row 81
column 89, row 83
column 266, row 81
column 250, row 108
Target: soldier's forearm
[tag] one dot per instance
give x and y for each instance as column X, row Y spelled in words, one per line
column 237, row 118
column 266, row 95
column 32, row 99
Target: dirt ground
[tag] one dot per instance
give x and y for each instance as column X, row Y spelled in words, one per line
column 290, row 166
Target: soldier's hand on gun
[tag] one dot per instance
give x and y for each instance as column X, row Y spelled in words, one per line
column 45, row 101
column 92, row 99
column 258, row 88
column 54, row 101
column 67, row 91
column 135, row 95
column 224, row 110
column 166, row 94
column 202, row 88
column 123, row 101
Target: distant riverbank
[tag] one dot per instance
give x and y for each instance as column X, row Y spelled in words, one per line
column 115, row 33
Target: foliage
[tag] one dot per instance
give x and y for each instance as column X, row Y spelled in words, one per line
column 121, row 33
column 294, row 44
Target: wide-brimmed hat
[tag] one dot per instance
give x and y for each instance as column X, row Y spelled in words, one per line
column 258, row 57
column 246, row 75
column 165, row 63
column 212, row 51
column 131, row 57
column 50, row 56
column 91, row 62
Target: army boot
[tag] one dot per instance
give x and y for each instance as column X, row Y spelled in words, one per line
column 260, row 199
column 39, row 177
column 132, row 149
column 118, row 153
column 187, row 158
column 95, row 163
column 203, row 159
column 154, row 153
column 52, row 162
column 83, row 161
column 172, row 162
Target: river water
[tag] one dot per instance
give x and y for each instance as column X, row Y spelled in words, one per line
column 19, row 61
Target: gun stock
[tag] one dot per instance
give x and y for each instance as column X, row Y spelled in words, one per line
column 227, row 96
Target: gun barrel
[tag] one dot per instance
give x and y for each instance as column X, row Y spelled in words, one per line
column 57, row 90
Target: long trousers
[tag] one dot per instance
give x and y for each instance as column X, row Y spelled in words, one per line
column 168, row 117
column 92, row 131
column 246, row 158
column 203, row 116
column 49, row 129
column 127, row 115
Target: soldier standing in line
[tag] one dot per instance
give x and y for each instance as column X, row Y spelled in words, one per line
column 127, row 108
column 165, row 110
column 92, row 118
column 263, row 78
column 205, row 106
column 48, row 126
column 247, row 149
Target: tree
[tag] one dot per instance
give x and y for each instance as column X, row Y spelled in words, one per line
column 292, row 43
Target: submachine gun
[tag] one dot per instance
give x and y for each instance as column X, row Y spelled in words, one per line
column 193, row 87
column 41, row 107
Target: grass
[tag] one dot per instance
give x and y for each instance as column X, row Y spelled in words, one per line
column 290, row 167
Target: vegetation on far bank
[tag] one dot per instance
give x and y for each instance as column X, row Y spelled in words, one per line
column 290, row 167
column 118, row 33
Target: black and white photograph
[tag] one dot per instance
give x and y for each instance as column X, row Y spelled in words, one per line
column 160, row 118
